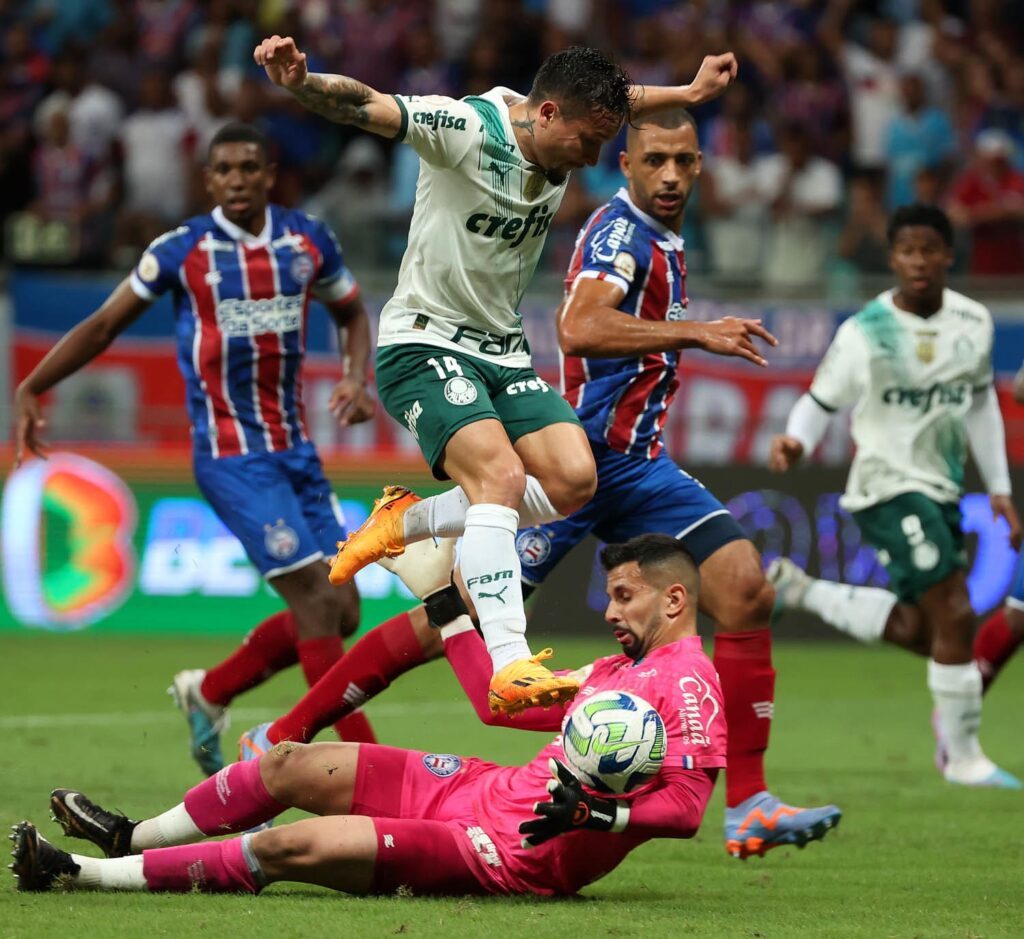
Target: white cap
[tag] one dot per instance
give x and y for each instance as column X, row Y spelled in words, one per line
column 994, row 142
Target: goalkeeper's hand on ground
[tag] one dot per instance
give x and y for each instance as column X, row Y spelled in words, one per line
column 569, row 808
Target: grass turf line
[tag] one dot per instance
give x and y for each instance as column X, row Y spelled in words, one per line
column 914, row 857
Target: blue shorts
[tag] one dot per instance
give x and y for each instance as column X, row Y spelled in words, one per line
column 1015, row 598
column 279, row 505
column 634, row 496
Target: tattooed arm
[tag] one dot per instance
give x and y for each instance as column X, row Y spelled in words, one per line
column 336, row 97
column 716, row 73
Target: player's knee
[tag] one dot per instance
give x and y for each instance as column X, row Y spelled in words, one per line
column 501, row 483
column 748, row 604
column 574, row 486
column 325, row 612
column 281, row 769
column 283, row 848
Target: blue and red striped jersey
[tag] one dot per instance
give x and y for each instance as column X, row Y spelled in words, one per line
column 623, row 403
column 240, row 306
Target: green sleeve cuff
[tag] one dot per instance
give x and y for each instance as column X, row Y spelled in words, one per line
column 404, row 126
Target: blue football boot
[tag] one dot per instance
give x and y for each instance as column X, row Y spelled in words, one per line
column 762, row 822
column 206, row 721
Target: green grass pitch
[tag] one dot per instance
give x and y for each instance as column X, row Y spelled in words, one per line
column 914, row 857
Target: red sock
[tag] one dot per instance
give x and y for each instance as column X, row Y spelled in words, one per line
column 317, row 657
column 269, row 648
column 744, row 663
column 367, row 669
column 994, row 644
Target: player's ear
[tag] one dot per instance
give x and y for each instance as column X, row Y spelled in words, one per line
column 700, row 163
column 624, row 163
column 271, row 176
column 547, row 112
column 675, row 599
column 208, row 179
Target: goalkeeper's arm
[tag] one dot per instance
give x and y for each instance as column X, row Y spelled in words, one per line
column 671, row 808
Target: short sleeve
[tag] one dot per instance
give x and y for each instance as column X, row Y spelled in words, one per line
column 983, row 375
column 438, row 128
column 613, row 250
column 840, row 376
column 334, row 281
column 158, row 268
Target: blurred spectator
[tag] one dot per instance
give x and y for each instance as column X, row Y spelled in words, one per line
column 61, row 21
column 516, row 30
column 483, row 67
column 920, row 137
column 737, row 209
column 647, row 60
column 863, row 241
column 1007, row 111
column 365, row 38
column 205, row 92
column 157, row 145
column 426, row 73
column 163, row 25
column 804, row 191
column 929, row 187
column 988, row 201
column 871, row 71
column 815, row 98
column 94, row 111
column 901, row 86
column 356, row 204
column 115, row 60
column 738, row 109
column 71, row 187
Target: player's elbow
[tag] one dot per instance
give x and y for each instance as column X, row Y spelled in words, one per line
column 574, row 337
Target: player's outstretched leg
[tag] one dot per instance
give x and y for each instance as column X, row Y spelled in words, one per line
column 382, row 535
column 38, row 865
column 80, row 817
column 860, row 612
column 206, row 721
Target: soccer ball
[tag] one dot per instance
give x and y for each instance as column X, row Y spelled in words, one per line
column 614, row 742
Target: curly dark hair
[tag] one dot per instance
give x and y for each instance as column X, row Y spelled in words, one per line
column 928, row 216
column 582, row 80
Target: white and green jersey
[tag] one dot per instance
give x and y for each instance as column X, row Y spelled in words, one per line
column 911, row 381
column 478, row 227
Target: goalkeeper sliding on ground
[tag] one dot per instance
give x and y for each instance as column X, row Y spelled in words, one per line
column 437, row 823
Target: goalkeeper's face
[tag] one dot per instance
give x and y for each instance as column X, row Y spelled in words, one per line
column 643, row 613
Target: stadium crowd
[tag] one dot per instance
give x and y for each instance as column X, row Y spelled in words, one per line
column 844, row 110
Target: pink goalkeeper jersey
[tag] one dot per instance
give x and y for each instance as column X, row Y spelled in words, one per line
column 681, row 683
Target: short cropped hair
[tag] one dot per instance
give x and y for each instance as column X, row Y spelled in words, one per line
column 654, row 551
column 237, row 132
column 928, row 216
column 583, row 80
column 666, row 118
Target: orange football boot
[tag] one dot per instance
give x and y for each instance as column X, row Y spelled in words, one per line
column 526, row 683
column 382, row 535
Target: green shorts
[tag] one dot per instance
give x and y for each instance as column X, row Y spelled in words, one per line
column 919, row 541
column 434, row 392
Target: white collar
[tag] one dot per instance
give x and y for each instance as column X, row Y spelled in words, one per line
column 673, row 238
column 888, row 299
column 240, row 234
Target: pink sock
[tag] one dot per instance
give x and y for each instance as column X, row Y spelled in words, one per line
column 211, row 866
column 233, row 799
